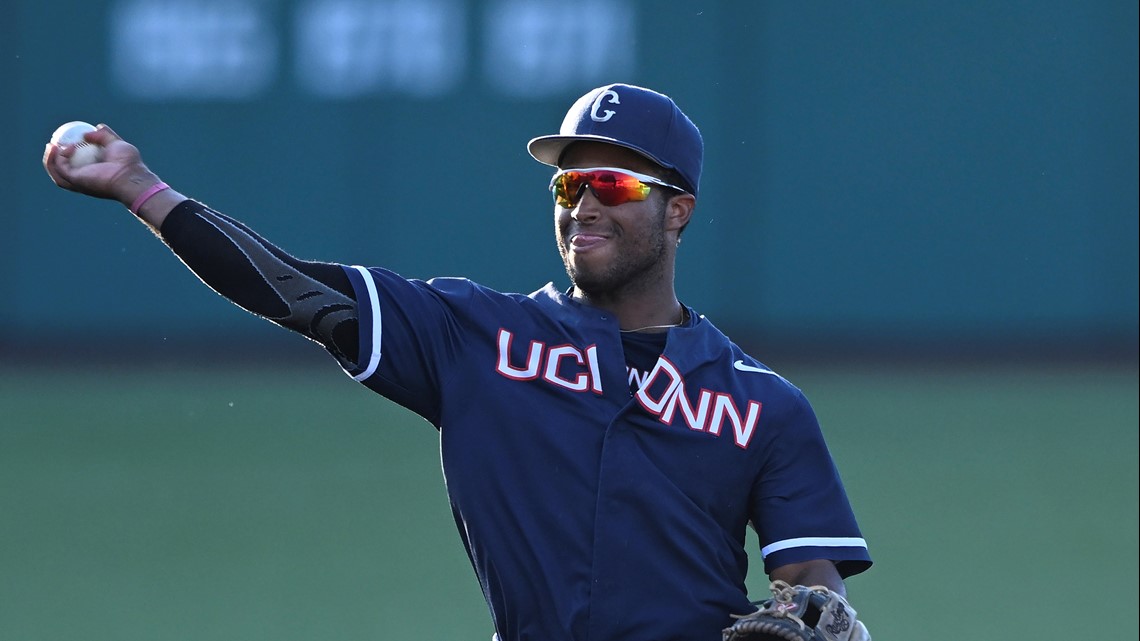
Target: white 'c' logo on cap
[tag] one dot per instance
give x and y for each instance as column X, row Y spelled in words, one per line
column 607, row 114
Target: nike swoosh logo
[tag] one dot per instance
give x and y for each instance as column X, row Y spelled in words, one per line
column 748, row 368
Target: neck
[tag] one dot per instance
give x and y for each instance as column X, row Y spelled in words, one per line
column 656, row 313
column 682, row 316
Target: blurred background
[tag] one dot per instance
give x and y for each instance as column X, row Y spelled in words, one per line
column 924, row 215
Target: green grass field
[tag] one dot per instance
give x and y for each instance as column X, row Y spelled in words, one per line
column 289, row 503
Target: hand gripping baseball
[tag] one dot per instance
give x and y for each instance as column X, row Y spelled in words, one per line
column 798, row 613
column 117, row 175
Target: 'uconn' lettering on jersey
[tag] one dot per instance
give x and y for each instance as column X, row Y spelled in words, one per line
column 662, row 394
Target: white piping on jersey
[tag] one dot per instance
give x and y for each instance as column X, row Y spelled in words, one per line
column 814, row 541
column 374, row 302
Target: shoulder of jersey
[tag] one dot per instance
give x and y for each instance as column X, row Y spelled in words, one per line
column 746, row 366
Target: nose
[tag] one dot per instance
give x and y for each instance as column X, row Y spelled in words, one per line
column 587, row 209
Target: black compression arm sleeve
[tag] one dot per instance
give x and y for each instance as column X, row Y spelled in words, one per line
column 313, row 298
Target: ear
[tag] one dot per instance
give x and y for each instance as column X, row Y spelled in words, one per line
column 678, row 211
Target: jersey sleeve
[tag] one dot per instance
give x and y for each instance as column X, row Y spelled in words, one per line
column 800, row 508
column 410, row 333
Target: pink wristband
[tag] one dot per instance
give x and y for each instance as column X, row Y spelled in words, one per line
column 146, row 195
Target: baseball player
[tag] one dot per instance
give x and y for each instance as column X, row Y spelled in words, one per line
column 605, row 446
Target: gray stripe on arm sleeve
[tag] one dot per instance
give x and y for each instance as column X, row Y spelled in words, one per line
column 234, row 261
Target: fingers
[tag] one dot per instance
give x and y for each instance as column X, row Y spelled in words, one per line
column 107, row 176
column 56, row 164
column 103, row 135
column 93, row 178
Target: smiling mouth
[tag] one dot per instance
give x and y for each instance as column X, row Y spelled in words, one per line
column 582, row 242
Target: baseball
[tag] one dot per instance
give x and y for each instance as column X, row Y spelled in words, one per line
column 71, row 133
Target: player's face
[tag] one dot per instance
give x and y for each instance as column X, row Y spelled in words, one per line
column 610, row 250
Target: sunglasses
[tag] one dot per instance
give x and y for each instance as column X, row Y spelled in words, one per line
column 610, row 185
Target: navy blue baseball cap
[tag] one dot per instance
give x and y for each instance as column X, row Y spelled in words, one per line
column 637, row 118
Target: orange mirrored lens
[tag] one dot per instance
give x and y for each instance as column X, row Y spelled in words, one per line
column 611, row 188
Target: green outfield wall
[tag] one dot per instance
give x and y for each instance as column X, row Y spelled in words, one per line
column 912, row 174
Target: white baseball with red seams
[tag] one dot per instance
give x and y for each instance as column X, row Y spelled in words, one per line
column 71, row 133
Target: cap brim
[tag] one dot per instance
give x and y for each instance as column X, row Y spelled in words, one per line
column 548, row 149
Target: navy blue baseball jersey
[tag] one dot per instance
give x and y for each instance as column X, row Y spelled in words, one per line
column 597, row 501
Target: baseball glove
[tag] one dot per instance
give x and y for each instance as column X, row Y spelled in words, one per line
column 798, row 613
